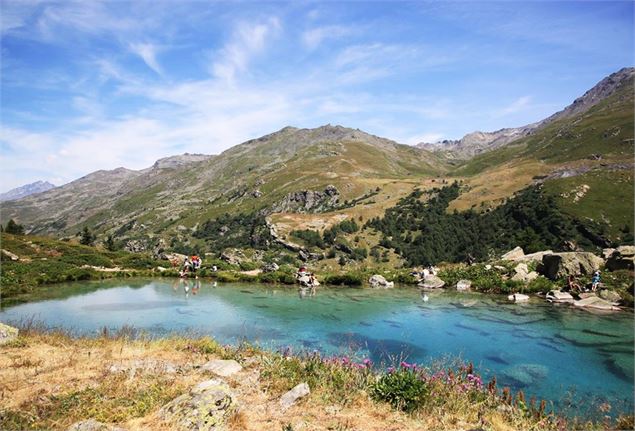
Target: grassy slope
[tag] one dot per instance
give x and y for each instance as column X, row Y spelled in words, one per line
column 69, row 380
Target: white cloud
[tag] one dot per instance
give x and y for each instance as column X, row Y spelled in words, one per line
column 148, row 53
column 518, row 105
column 248, row 41
column 428, row 138
column 314, row 37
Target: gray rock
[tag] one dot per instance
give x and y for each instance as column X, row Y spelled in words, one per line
column 558, row 265
column 306, row 201
column 623, row 257
column 379, row 281
column 147, row 366
column 206, row 407
column 609, row 295
column 10, row 255
column 7, row 333
column 224, row 368
column 596, row 303
column 432, row 282
column 513, row 254
column 288, row 399
column 607, row 252
column 270, row 267
column 559, row 296
column 463, row 285
column 93, row 425
column 533, row 257
column 233, row 256
column 518, row 297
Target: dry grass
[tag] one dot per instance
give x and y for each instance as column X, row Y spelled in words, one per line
column 49, row 381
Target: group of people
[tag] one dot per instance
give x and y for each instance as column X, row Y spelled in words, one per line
column 305, row 278
column 190, row 266
column 574, row 286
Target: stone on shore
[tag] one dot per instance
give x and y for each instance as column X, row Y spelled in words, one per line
column 221, row 367
column 206, row 407
column 270, row 267
column 379, row 281
column 432, row 282
column 559, row 296
column 289, row 399
column 518, row 297
column 463, row 285
column 609, row 295
column 7, row 333
column 10, row 255
column 558, row 265
column 522, row 273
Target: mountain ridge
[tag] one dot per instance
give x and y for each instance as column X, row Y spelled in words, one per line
column 26, row 190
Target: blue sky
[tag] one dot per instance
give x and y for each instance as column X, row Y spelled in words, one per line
column 96, row 85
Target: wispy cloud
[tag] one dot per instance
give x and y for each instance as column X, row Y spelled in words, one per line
column 516, row 106
column 249, row 40
column 148, row 53
column 314, row 37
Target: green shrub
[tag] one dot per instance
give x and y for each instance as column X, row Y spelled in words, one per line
column 541, row 284
column 310, row 237
column 348, row 279
column 226, row 276
column 403, row 389
column 248, row 266
column 277, row 277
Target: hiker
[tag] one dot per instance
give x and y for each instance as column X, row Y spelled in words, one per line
column 572, row 285
column 595, row 280
column 187, row 267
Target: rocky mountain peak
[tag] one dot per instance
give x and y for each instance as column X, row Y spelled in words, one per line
column 26, row 190
column 179, row 160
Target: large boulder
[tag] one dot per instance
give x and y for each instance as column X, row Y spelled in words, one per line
column 596, row 303
column 558, row 265
column 432, row 282
column 523, row 274
column 559, row 296
column 534, row 257
column 270, row 267
column 622, row 258
column 7, row 333
column 609, row 295
column 206, row 407
column 464, row 285
column 513, row 254
column 379, row 281
column 518, row 297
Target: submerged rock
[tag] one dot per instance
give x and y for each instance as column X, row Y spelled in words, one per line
column 526, row 374
column 289, row 399
column 380, row 282
column 224, row 368
column 7, row 333
column 596, row 303
column 560, row 265
column 206, row 407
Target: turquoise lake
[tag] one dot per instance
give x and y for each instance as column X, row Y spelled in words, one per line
column 572, row 357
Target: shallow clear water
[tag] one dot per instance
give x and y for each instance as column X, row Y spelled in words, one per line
column 577, row 359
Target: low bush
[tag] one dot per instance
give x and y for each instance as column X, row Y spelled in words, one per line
column 404, row 389
column 348, row 279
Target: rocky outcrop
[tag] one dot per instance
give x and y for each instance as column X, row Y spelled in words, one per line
column 623, row 257
column 7, row 333
column 305, row 255
column 609, row 295
column 558, row 265
column 233, row 256
column 379, row 281
column 523, row 274
column 270, row 267
column 206, row 407
column 306, row 201
column 290, row 398
column 144, row 366
column 135, row 246
column 534, row 257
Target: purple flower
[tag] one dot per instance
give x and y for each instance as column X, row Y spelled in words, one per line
column 406, row 365
column 391, row 370
column 368, row 362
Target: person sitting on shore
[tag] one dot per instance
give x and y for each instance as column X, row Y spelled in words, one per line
column 187, row 267
column 572, row 285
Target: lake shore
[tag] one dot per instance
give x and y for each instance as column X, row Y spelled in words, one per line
column 51, row 380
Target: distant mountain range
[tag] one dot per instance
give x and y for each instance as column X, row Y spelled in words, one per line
column 310, row 177
column 26, row 190
column 479, row 142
